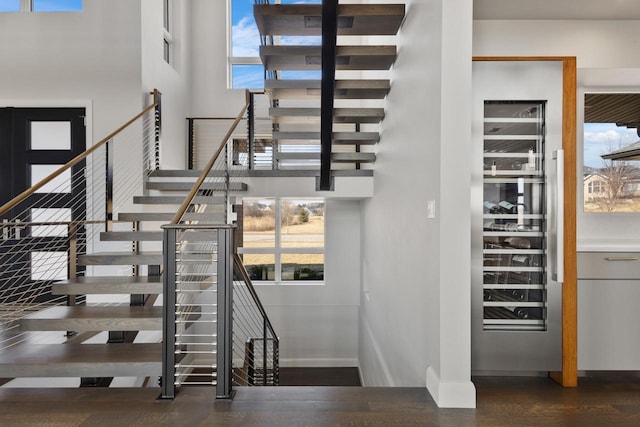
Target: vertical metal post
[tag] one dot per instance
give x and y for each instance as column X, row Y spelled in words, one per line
column 264, row 351
column 109, row 184
column 357, row 146
column 251, row 127
column 224, row 361
column 191, row 142
column 158, row 127
column 169, row 315
column 327, row 88
column 227, row 184
column 72, row 263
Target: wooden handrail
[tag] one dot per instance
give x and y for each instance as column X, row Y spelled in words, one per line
column 28, row 192
column 207, row 168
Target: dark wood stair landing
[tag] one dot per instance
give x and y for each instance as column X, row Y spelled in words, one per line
column 319, row 377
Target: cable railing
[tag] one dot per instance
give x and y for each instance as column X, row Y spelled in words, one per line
column 44, row 229
column 200, row 321
column 256, row 350
column 250, row 143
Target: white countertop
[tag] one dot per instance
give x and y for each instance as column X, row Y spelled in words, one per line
column 608, row 245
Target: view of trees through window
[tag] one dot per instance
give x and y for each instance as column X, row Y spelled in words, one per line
column 609, row 186
column 284, row 239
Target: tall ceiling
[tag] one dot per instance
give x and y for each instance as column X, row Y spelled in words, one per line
column 557, row 9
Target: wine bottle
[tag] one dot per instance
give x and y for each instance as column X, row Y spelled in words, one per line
column 507, row 207
column 518, row 242
column 491, row 207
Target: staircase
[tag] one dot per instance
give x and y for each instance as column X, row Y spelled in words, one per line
column 358, row 111
column 105, row 340
column 101, row 340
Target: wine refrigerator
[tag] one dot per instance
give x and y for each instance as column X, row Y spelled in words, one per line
column 516, row 289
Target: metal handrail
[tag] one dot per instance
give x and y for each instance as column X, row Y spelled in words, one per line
column 30, row 191
column 247, row 280
column 194, row 190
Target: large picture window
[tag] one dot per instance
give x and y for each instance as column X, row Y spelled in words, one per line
column 245, row 68
column 610, row 127
column 283, row 239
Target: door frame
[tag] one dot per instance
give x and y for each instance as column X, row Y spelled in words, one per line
column 568, row 377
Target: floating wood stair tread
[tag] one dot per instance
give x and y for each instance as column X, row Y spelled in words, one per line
column 94, row 318
column 312, row 115
column 175, row 200
column 121, row 258
column 81, row 360
column 306, row 20
column 145, row 216
column 154, row 216
column 289, row 173
column 184, row 173
column 335, row 157
column 187, row 186
column 309, row 57
column 345, row 138
column 123, row 236
column 109, row 285
column 345, row 89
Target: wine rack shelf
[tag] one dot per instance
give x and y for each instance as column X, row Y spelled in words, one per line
column 514, row 265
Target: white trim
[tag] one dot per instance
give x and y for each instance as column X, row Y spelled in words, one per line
column 378, row 354
column 450, row 394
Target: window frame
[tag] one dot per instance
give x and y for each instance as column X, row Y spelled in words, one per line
column 278, row 250
column 237, row 60
column 167, row 27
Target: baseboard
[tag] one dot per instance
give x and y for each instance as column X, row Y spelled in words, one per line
column 382, row 373
column 319, row 363
column 450, row 394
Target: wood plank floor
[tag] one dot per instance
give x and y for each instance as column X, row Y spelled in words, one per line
column 599, row 401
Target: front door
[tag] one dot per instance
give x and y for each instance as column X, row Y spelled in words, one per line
column 34, row 142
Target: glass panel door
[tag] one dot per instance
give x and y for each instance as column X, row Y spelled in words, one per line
column 513, row 217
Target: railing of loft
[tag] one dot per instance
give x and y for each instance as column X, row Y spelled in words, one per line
column 200, row 320
column 251, row 145
column 45, row 228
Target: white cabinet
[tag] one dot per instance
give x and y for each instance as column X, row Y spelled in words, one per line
column 608, row 311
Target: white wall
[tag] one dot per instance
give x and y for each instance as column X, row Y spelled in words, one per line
column 606, row 61
column 172, row 80
column 318, row 324
column 88, row 59
column 415, row 271
column 211, row 98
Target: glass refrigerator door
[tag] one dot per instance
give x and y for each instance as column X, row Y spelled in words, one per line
column 514, row 241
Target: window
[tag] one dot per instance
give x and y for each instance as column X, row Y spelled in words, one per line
column 283, row 239
column 41, row 5
column 245, row 68
column 610, row 125
column 9, row 5
column 56, row 5
column 167, row 27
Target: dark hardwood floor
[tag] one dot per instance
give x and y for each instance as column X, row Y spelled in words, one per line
column 609, row 400
column 319, row 377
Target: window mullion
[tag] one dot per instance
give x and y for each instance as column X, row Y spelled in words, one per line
column 278, row 263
